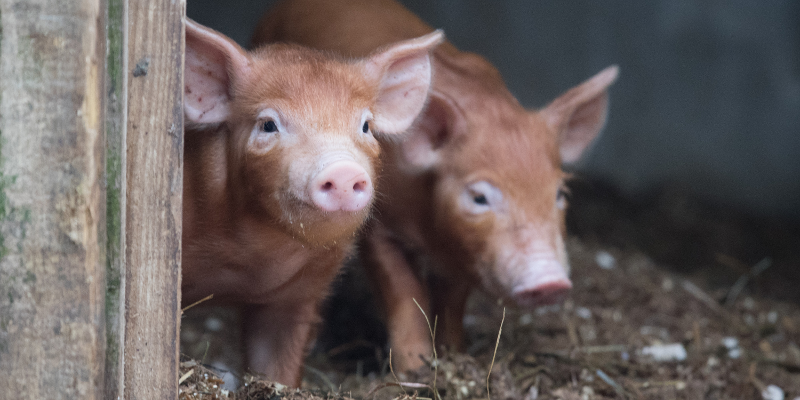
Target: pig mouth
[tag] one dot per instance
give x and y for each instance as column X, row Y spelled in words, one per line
column 308, row 223
column 545, row 285
column 548, row 290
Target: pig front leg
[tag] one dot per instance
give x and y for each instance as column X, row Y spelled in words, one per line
column 277, row 339
column 398, row 287
column 448, row 300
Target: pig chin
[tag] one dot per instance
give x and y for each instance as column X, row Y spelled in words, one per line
column 322, row 228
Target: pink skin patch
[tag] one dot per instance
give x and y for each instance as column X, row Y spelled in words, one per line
column 342, row 186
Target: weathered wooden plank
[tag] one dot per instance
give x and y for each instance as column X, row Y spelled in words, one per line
column 115, row 128
column 154, row 185
column 52, row 208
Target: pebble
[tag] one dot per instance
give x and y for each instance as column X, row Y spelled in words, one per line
column 605, row 260
column 772, row 392
column 666, row 352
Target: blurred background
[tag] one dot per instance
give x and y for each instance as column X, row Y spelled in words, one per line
column 708, row 100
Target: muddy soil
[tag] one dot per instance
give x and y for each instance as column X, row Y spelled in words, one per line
column 672, row 299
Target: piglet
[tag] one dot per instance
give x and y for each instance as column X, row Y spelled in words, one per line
column 474, row 197
column 279, row 175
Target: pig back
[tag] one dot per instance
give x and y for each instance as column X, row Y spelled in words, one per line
column 329, row 25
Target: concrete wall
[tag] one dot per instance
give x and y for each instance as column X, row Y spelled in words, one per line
column 709, row 96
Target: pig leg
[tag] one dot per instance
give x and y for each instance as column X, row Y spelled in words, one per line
column 277, row 339
column 448, row 300
column 398, row 287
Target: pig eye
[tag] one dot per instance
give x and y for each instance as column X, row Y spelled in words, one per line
column 365, row 128
column 269, row 126
column 481, row 197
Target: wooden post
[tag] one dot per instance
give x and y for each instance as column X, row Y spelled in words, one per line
column 154, row 192
column 52, row 201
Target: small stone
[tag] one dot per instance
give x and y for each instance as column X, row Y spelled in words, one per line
column 583, row 312
column 666, row 352
column 533, row 393
column 732, row 344
column 605, row 260
column 213, row 324
column 772, row 317
column 772, row 392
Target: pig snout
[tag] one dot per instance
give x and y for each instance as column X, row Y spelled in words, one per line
column 341, row 186
column 548, row 287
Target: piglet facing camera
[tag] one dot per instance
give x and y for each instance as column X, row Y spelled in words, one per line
column 279, row 173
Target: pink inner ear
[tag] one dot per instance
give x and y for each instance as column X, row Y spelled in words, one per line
column 402, row 93
column 212, row 62
column 432, row 128
column 404, row 74
column 583, row 127
column 579, row 115
column 205, row 86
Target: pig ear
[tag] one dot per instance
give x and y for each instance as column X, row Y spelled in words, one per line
column 212, row 62
column 420, row 147
column 579, row 115
column 403, row 71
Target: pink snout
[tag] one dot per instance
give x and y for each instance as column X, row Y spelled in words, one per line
column 342, row 186
column 550, row 290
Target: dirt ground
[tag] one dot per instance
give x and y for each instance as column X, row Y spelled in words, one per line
column 672, row 299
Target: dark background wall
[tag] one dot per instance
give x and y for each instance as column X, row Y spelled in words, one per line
column 708, row 99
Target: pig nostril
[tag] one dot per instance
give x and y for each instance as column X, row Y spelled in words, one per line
column 360, row 186
column 327, row 186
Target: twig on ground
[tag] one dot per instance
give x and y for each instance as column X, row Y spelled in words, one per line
column 496, row 345
column 702, row 296
column 755, row 381
column 433, row 345
column 186, row 376
column 616, row 386
column 743, row 280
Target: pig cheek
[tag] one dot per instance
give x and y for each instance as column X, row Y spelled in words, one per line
column 262, row 176
column 472, row 234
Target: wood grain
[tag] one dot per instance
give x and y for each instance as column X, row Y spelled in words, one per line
column 154, row 193
column 52, row 201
